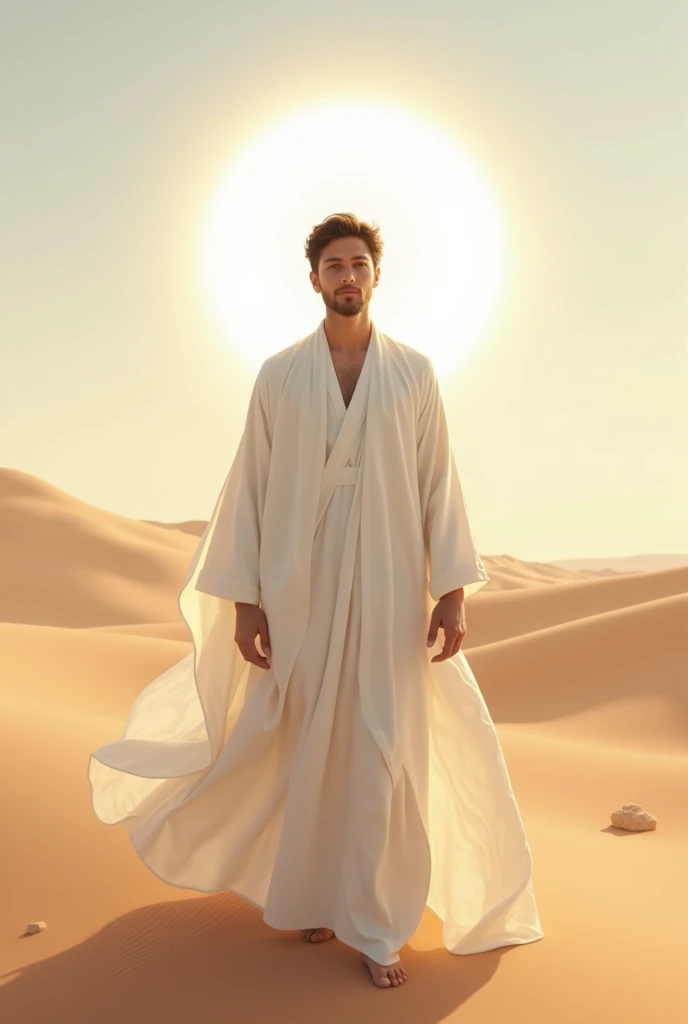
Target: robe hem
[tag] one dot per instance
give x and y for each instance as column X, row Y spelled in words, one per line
column 498, row 945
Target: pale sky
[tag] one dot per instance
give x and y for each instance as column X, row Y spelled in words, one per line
column 120, row 122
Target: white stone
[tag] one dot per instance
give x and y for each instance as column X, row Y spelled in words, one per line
column 35, row 926
column 633, row 818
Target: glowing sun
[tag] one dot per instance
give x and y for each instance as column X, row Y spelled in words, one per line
column 443, row 261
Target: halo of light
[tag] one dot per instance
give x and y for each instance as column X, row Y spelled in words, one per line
column 443, row 261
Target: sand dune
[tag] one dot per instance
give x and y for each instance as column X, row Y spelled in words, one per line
column 83, row 670
column 631, row 563
column 625, row 668
column 195, row 527
column 499, row 615
column 67, row 563
column 156, row 630
column 508, row 573
column 586, row 678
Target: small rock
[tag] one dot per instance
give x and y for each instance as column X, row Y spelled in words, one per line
column 35, row 926
column 633, row 818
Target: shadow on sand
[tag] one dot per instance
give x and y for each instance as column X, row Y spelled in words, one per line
column 212, row 958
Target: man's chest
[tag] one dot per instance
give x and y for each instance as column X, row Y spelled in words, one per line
column 347, row 375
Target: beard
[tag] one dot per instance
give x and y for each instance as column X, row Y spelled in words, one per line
column 347, row 305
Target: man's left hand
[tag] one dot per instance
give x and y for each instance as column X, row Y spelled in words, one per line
column 449, row 614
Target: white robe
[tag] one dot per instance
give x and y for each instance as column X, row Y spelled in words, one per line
column 354, row 782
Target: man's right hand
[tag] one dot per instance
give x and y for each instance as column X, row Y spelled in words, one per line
column 250, row 623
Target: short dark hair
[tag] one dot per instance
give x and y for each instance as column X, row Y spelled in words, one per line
column 342, row 225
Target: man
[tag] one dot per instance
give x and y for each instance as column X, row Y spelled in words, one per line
column 342, row 778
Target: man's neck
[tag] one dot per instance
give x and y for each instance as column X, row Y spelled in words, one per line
column 349, row 335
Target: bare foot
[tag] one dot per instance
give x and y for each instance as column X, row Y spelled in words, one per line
column 385, row 976
column 316, row 934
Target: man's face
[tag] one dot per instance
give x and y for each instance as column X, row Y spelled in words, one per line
column 346, row 276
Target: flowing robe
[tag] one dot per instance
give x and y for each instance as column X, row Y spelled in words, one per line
column 353, row 782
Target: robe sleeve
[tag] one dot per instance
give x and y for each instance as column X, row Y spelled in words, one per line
column 453, row 559
column 231, row 556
